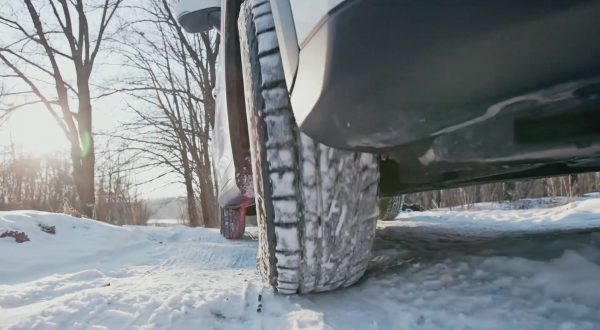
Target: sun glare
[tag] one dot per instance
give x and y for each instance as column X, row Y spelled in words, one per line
column 33, row 132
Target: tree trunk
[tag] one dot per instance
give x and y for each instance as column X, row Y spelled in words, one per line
column 83, row 153
column 509, row 191
column 208, row 199
column 189, row 188
column 573, row 185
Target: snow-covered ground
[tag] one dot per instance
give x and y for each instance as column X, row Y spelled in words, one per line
column 164, row 222
column 493, row 219
column 484, row 268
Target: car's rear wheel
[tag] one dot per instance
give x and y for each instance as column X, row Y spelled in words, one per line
column 316, row 205
column 233, row 222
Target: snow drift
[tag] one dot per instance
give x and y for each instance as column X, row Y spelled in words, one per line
column 487, row 268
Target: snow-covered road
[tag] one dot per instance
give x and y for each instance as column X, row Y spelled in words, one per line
column 486, row 268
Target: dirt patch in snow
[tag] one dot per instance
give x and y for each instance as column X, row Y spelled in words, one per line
column 47, row 229
column 19, row 236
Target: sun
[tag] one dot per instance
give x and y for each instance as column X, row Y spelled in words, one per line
column 34, row 132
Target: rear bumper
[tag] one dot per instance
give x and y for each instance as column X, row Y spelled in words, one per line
column 387, row 75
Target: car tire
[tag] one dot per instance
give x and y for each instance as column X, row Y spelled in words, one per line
column 316, row 205
column 233, row 222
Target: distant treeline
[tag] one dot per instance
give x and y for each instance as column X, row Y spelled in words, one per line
column 569, row 186
column 45, row 184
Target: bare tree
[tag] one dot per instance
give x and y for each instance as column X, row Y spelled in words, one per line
column 117, row 198
column 175, row 77
column 50, row 48
column 3, row 104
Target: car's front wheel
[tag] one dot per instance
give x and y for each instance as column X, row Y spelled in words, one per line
column 316, row 205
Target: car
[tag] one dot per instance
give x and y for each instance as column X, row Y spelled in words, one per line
column 324, row 106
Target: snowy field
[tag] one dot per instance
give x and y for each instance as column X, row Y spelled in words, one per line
column 489, row 267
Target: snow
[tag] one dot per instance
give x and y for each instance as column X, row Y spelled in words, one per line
column 287, row 238
column 286, row 211
column 283, row 184
column 489, row 267
column 164, row 222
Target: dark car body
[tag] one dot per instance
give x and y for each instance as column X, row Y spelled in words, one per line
column 456, row 92
column 448, row 93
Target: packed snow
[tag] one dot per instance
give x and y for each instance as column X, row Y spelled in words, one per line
column 486, row 267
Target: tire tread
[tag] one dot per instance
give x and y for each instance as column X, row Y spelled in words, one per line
column 333, row 189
